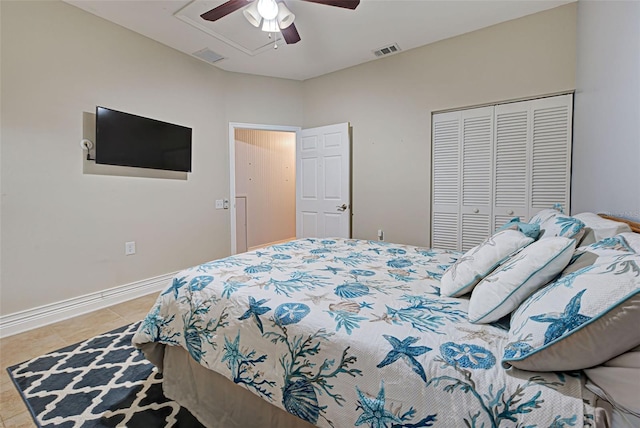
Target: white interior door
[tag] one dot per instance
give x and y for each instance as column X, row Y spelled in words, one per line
column 323, row 182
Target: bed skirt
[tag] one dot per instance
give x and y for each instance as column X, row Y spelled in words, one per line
column 216, row 401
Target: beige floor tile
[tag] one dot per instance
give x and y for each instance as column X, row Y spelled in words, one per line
column 21, row 420
column 11, row 404
column 21, row 347
column 137, row 309
column 86, row 326
column 5, row 381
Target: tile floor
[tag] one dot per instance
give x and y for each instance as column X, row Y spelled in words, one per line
column 21, row 347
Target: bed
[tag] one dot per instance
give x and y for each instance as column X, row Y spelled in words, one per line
column 344, row 332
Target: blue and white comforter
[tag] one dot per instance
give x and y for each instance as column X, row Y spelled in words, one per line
column 354, row 333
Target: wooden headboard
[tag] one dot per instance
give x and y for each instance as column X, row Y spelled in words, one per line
column 635, row 226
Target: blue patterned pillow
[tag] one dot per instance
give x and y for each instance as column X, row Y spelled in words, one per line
column 589, row 254
column 582, row 320
column 553, row 223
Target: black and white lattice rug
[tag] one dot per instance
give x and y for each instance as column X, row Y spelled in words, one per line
column 101, row 382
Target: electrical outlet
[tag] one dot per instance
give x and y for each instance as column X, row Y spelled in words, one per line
column 380, row 235
column 219, row 204
column 129, row 248
column 225, row 204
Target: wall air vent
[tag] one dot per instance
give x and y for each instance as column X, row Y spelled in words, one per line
column 387, row 50
column 208, row 55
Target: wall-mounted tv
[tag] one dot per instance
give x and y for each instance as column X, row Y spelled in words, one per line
column 128, row 140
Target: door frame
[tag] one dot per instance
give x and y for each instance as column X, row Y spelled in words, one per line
column 232, row 165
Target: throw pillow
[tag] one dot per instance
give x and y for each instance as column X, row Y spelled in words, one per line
column 478, row 262
column 501, row 292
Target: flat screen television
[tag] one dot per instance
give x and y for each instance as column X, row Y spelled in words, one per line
column 128, row 140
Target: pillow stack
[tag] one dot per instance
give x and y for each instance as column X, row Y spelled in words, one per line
column 571, row 308
column 502, row 274
column 574, row 308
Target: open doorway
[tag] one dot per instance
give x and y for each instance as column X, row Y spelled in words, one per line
column 263, row 185
column 322, row 184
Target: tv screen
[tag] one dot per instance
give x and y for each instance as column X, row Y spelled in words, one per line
column 128, row 140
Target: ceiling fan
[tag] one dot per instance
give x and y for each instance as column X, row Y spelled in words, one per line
column 275, row 15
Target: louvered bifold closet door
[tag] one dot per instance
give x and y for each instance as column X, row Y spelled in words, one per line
column 551, row 153
column 476, row 175
column 511, row 184
column 445, row 209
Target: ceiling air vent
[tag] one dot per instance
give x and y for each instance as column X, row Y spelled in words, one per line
column 387, row 50
column 208, row 55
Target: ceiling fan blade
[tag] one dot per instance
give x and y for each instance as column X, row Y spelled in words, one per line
column 347, row 4
column 224, row 10
column 290, row 34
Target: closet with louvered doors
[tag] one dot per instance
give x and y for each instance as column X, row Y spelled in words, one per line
column 491, row 164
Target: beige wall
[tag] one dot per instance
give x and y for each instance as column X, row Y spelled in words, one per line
column 63, row 231
column 606, row 139
column 265, row 174
column 389, row 104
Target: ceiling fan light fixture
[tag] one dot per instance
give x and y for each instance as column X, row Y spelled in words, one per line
column 268, row 9
column 285, row 16
column 270, row 26
column 252, row 14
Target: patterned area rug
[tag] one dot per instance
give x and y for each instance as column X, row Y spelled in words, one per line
column 101, row 382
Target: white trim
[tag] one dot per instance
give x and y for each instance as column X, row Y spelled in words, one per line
column 232, row 166
column 48, row 314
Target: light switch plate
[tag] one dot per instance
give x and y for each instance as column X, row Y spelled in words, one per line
column 219, row 204
column 129, row 248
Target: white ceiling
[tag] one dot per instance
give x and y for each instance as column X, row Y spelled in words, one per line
column 332, row 38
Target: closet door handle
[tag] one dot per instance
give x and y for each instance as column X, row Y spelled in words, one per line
column 510, row 212
column 476, row 210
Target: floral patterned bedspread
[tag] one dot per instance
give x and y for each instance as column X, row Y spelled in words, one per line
column 354, row 333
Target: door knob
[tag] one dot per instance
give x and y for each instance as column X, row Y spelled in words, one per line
column 510, row 212
column 342, row 207
column 476, row 210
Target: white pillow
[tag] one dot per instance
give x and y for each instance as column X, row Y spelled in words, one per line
column 600, row 228
column 581, row 320
column 478, row 262
column 505, row 288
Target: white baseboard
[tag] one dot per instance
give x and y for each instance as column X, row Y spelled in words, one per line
column 29, row 319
